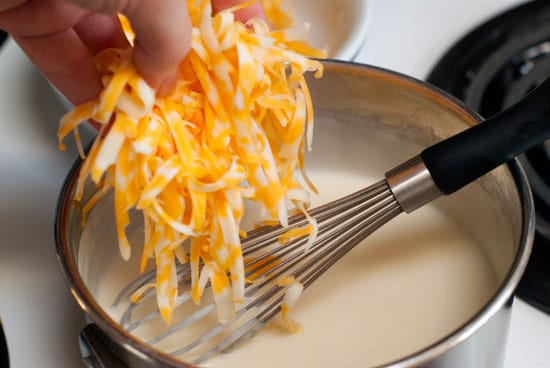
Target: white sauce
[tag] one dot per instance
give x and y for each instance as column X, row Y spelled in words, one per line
column 408, row 285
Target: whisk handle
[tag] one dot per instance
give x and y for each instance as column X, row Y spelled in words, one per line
column 464, row 157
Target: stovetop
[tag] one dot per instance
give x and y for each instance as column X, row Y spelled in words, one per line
column 40, row 317
column 490, row 68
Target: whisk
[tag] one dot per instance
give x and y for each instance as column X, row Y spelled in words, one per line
column 438, row 170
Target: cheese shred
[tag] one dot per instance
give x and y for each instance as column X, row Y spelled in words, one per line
column 235, row 127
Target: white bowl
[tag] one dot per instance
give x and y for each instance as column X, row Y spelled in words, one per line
column 339, row 26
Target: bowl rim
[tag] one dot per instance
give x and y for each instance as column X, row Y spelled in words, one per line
column 349, row 50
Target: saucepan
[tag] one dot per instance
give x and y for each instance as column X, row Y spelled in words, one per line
column 418, row 305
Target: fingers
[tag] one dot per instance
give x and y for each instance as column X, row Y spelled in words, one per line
column 43, row 30
column 39, row 17
column 61, row 37
column 163, row 38
column 9, row 4
column 163, row 34
column 66, row 62
column 100, row 31
column 253, row 11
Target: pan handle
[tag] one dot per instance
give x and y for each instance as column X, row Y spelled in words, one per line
column 95, row 349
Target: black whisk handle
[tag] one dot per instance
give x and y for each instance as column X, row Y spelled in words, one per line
column 464, row 157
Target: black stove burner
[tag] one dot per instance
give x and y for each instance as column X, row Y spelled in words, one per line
column 491, row 68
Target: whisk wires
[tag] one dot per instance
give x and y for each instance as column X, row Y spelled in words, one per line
column 342, row 225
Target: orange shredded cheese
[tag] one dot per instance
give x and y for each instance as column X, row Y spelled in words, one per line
column 293, row 292
column 234, row 127
column 127, row 28
column 277, row 16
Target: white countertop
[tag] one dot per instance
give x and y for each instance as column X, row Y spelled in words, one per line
column 41, row 319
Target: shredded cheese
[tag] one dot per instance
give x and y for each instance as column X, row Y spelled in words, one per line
column 276, row 15
column 293, row 292
column 234, row 127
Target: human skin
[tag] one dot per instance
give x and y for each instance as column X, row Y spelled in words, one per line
column 61, row 37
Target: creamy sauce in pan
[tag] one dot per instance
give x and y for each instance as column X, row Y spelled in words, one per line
column 408, row 285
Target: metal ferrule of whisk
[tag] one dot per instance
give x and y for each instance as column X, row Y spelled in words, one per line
column 412, row 184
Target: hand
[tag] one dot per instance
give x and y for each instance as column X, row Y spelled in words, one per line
column 62, row 36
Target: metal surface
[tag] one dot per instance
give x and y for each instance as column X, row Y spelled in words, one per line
column 412, row 184
column 368, row 102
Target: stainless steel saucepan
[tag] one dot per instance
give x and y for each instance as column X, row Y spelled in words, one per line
column 359, row 109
